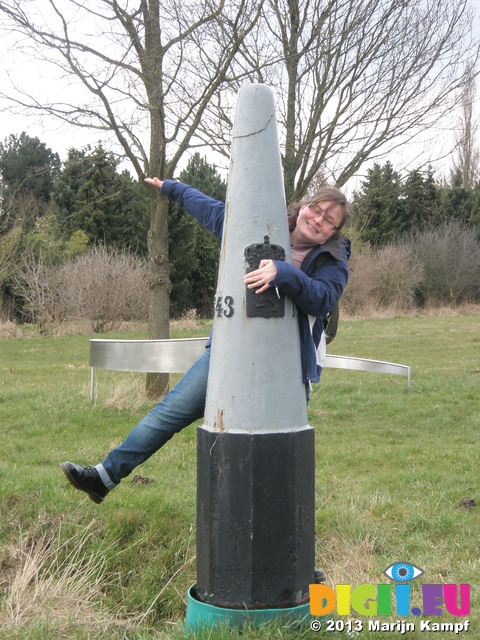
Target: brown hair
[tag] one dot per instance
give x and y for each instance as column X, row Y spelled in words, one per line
column 324, row 194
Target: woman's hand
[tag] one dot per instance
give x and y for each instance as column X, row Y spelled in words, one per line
column 155, row 182
column 261, row 277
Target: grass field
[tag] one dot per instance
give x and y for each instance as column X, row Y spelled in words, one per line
column 397, row 479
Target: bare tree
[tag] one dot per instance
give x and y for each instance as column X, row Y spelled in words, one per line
column 466, row 158
column 355, row 78
column 149, row 71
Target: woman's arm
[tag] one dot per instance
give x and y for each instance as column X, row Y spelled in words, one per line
column 316, row 294
column 208, row 211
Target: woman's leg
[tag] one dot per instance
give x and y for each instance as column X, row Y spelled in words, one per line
column 183, row 405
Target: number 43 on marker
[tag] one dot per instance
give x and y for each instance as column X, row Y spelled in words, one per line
column 224, row 306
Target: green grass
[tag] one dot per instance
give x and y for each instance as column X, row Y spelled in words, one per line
column 392, row 468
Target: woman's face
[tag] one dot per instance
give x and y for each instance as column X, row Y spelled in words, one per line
column 316, row 223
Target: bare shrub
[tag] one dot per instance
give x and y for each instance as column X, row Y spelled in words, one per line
column 106, row 287
column 398, row 273
column 37, row 284
column 450, row 254
column 358, row 294
column 9, row 243
column 387, row 278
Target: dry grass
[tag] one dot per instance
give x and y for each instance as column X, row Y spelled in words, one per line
column 9, row 330
column 187, row 321
column 371, row 312
column 53, row 585
column 348, row 562
column 127, row 393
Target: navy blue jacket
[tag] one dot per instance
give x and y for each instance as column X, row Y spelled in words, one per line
column 315, row 288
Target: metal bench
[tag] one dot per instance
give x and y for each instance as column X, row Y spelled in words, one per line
column 177, row 356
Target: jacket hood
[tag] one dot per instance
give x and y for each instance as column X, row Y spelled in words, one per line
column 338, row 248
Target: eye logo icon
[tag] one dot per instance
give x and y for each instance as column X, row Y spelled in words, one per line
column 403, row 572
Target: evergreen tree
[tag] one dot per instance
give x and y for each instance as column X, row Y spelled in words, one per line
column 28, row 169
column 66, row 189
column 109, row 207
column 475, row 213
column 377, row 207
column 459, row 202
column 421, row 200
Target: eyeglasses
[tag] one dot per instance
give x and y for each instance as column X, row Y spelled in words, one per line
column 330, row 222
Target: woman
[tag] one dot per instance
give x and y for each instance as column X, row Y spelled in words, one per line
column 314, row 281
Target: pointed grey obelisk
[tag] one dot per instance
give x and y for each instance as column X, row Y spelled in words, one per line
column 255, row 449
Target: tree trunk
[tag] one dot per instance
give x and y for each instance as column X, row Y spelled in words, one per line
column 159, row 283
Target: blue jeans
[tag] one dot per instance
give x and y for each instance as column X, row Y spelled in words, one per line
column 183, row 405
